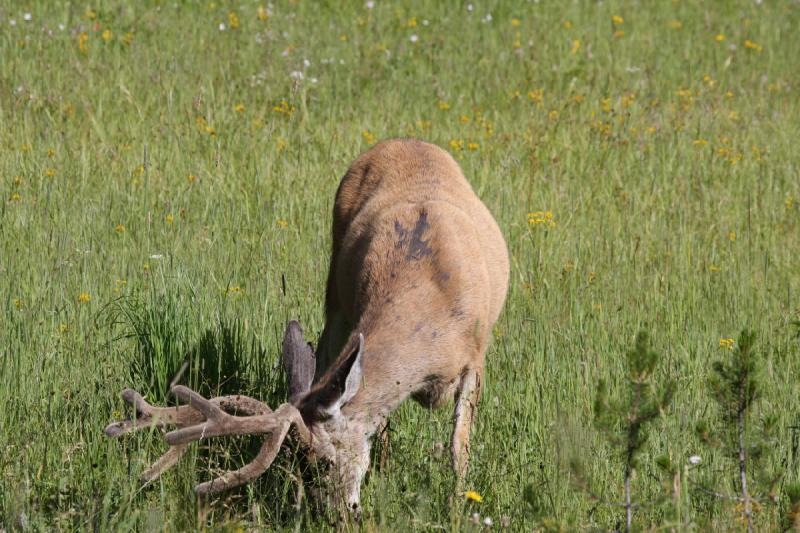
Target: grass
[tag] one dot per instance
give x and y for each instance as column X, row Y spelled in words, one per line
column 166, row 190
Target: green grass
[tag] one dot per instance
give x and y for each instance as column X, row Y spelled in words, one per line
column 667, row 158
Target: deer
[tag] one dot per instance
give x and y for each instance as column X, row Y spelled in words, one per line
column 418, row 277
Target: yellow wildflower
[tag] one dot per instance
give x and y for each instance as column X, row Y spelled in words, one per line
column 537, row 95
column 62, row 328
column 699, row 142
column 49, row 172
column 714, row 268
column 128, row 38
column 619, row 34
column 515, row 22
column 456, row 145
column 282, row 223
column 720, row 37
column 169, row 218
column 578, row 98
column 234, row 290
column 83, row 39
column 107, row 35
column 239, row 108
column 119, row 228
column 18, row 303
column 752, row 46
column 789, row 202
column 727, row 343
column 617, row 20
column 343, row 38
column 90, row 14
column 576, row 45
column 233, row 20
column 262, row 13
column 444, row 106
column 473, row 146
column 369, row 138
column 536, row 218
column 191, row 178
column 474, row 496
column 553, row 115
column 411, row 23
column 567, row 24
column 732, row 236
column 675, row 24
column 25, row 147
column 284, row 108
column 15, row 197
column 84, row 297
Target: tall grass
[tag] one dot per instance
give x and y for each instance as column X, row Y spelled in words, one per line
column 165, row 197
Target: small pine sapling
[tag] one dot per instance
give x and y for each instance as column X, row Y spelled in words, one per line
column 734, row 384
column 625, row 421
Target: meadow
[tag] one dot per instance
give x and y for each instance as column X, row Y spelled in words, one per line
column 167, row 174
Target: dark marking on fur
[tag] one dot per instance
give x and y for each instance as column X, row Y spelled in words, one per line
column 417, row 247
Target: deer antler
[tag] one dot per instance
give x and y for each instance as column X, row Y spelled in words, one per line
column 203, row 418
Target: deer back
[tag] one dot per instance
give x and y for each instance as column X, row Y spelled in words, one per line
column 419, row 267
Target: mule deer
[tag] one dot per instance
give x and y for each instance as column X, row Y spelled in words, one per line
column 418, row 276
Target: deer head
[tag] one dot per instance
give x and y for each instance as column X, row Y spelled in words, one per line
column 314, row 414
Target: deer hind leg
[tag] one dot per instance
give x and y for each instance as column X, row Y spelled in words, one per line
column 467, row 395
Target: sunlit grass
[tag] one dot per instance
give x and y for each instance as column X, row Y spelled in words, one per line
column 178, row 161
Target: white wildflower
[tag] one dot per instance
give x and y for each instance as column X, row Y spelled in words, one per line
column 413, row 38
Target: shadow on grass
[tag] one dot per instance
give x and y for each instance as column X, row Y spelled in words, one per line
column 222, row 359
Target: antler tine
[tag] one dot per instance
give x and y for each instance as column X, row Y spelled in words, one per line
column 151, row 416
column 180, row 416
column 164, row 463
column 286, row 415
column 195, row 400
column 218, row 422
column 266, row 455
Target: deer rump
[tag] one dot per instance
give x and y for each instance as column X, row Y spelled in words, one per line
column 418, row 276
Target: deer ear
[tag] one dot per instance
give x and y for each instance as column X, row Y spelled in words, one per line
column 299, row 361
column 342, row 383
column 353, row 381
